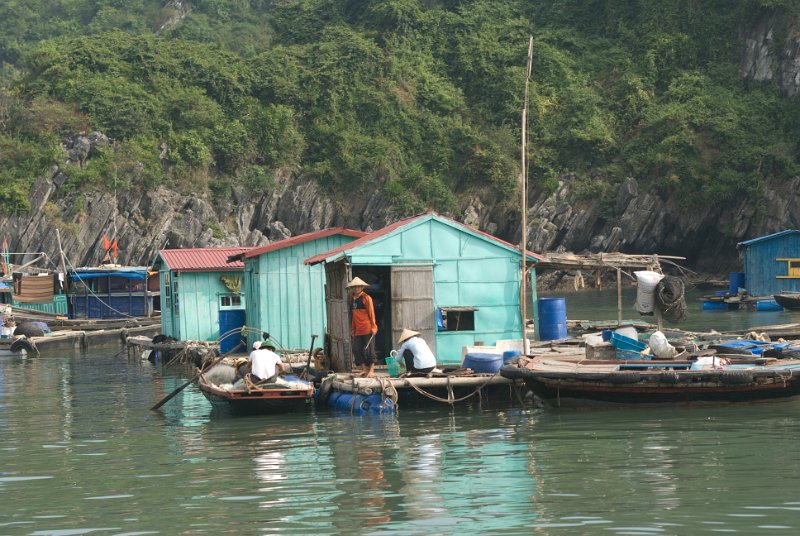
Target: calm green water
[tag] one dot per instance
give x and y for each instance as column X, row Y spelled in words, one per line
column 80, row 453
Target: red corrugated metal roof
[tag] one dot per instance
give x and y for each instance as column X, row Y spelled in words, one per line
column 299, row 239
column 202, row 259
column 396, row 225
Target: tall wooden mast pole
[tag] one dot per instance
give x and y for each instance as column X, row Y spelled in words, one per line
column 61, row 258
column 523, row 246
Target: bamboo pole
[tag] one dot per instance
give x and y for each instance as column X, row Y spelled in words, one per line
column 523, row 247
column 619, row 297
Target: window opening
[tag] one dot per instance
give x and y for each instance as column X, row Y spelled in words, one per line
column 792, row 269
column 455, row 319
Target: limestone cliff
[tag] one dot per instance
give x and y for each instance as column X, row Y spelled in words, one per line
column 637, row 220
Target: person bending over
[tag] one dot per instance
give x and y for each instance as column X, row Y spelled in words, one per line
column 416, row 352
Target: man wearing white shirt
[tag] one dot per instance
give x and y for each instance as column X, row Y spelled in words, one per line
column 265, row 365
column 416, row 352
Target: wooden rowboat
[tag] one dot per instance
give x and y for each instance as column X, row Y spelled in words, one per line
column 266, row 399
column 570, row 383
column 788, row 300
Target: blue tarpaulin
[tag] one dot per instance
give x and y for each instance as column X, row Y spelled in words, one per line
column 127, row 275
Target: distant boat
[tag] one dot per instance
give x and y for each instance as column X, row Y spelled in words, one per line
column 560, row 382
column 268, row 399
column 788, row 300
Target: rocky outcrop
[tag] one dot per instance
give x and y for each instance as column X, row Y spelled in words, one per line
column 647, row 222
column 176, row 12
column 642, row 221
column 144, row 222
column 763, row 59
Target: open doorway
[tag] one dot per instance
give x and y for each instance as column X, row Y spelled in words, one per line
column 380, row 290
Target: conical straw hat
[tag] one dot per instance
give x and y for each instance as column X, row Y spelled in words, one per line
column 357, row 282
column 407, row 334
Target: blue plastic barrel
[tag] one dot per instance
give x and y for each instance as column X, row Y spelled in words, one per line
column 768, row 305
column 715, row 306
column 736, row 282
column 375, row 404
column 552, row 319
column 508, row 355
column 482, row 362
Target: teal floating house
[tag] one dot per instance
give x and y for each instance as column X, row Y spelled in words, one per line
column 283, row 296
column 201, row 294
column 772, row 263
column 454, row 284
column 35, row 292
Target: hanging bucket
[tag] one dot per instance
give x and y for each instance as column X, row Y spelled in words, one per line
column 646, row 282
column 552, row 319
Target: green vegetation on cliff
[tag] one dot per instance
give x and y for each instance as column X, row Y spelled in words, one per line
column 419, row 98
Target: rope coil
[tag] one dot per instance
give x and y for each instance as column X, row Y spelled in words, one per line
column 670, row 299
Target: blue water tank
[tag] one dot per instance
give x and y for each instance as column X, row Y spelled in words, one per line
column 484, row 363
column 736, row 282
column 552, row 319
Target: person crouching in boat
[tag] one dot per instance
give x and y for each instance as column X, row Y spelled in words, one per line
column 416, row 352
column 264, row 365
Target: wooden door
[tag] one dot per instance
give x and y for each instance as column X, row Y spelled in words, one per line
column 412, row 302
column 338, row 313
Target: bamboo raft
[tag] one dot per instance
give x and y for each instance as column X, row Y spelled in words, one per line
column 458, row 386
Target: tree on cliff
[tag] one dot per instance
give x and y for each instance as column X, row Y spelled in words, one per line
column 418, row 99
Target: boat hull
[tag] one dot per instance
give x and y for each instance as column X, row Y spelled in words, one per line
column 258, row 402
column 564, row 389
column 788, row 301
column 14, row 347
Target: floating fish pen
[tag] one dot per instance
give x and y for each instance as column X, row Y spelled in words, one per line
column 384, row 394
column 168, row 351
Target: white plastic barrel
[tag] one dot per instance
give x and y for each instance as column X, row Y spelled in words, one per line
column 645, row 290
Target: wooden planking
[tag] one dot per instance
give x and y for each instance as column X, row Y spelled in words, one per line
column 336, row 301
column 289, row 295
column 412, row 302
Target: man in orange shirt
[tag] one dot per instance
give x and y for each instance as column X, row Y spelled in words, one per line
column 362, row 327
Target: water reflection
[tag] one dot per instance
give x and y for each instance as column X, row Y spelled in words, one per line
column 684, row 466
column 82, row 453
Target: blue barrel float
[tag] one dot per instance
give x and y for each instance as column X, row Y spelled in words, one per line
column 482, row 362
column 552, row 319
column 736, row 282
column 356, row 404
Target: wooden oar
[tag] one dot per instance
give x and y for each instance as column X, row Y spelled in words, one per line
column 304, row 374
column 194, row 379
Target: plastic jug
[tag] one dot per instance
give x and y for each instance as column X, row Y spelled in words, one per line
column 392, row 366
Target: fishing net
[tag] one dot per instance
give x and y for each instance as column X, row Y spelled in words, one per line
column 670, row 299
